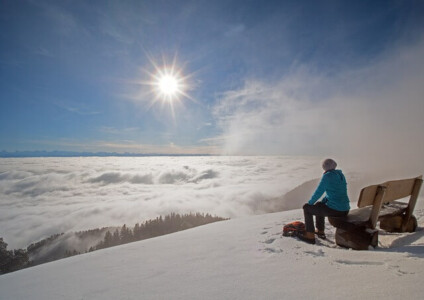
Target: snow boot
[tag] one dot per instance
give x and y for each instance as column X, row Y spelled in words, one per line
column 308, row 237
column 320, row 234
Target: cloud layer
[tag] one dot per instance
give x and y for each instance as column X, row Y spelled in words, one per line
column 44, row 196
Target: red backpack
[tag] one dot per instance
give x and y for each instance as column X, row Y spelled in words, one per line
column 293, row 228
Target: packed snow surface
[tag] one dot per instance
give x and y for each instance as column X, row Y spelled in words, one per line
column 243, row 258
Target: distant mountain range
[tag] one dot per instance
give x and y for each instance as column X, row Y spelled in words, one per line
column 5, row 154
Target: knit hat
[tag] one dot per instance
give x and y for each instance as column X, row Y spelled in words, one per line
column 329, row 164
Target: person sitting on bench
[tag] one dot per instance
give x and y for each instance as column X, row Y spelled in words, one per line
column 334, row 204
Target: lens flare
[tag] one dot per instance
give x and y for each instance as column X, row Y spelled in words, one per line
column 168, row 85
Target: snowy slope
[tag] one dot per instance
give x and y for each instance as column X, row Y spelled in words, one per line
column 244, row 258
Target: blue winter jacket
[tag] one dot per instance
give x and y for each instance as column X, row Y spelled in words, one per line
column 333, row 183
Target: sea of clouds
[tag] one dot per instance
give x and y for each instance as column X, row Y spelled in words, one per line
column 44, row 196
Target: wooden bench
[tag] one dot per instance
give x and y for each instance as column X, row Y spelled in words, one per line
column 378, row 203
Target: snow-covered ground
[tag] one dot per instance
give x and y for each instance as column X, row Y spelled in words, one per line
column 243, row 258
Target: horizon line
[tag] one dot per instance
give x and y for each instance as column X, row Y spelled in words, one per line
column 63, row 153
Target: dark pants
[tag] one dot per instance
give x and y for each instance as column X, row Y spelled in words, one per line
column 320, row 211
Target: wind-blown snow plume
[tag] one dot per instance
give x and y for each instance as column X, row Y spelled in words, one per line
column 373, row 114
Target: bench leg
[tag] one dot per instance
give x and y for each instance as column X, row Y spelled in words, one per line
column 357, row 239
column 410, row 225
column 399, row 224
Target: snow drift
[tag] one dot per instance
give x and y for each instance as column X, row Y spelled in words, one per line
column 244, row 258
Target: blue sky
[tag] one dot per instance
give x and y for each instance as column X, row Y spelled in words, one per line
column 263, row 77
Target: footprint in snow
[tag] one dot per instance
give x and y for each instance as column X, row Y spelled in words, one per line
column 273, row 250
column 269, row 241
column 318, row 253
column 356, row 263
column 398, row 271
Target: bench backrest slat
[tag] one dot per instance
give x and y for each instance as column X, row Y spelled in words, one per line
column 389, row 191
column 398, row 189
column 367, row 195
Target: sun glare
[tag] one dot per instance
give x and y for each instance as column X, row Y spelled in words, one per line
column 168, row 85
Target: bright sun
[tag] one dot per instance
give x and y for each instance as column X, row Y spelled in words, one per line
column 168, row 85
